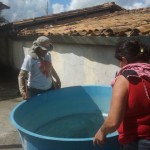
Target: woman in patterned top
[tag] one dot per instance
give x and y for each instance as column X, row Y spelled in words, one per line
column 130, row 101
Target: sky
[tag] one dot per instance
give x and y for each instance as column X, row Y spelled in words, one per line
column 26, row 9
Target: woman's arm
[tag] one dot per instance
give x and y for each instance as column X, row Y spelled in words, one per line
column 117, row 110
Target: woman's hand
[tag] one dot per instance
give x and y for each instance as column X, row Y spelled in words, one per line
column 99, row 138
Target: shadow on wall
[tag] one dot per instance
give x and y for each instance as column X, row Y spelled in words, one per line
column 8, row 83
column 8, row 73
column 97, row 49
column 95, row 53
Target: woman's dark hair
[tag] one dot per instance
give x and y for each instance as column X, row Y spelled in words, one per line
column 133, row 50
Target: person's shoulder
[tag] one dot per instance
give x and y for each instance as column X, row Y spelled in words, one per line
column 48, row 56
column 128, row 73
column 122, row 78
column 131, row 76
column 121, row 81
column 28, row 57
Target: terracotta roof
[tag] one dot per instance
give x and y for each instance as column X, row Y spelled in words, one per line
column 70, row 16
column 121, row 23
column 3, row 6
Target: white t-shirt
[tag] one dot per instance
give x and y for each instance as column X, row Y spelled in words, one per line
column 36, row 78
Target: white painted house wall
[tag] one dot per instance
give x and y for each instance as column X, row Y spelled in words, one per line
column 77, row 64
column 84, row 64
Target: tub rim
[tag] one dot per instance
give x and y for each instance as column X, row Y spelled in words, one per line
column 20, row 128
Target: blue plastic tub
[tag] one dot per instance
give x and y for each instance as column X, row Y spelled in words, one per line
column 64, row 119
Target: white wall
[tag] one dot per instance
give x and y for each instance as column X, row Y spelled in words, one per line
column 17, row 52
column 77, row 64
column 84, row 64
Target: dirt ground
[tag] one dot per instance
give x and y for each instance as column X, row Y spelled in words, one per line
column 9, row 98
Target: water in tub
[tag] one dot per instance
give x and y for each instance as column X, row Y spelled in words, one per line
column 73, row 126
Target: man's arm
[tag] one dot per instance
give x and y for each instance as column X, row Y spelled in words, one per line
column 54, row 74
column 22, row 82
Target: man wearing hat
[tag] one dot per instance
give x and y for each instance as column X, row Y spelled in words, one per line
column 37, row 70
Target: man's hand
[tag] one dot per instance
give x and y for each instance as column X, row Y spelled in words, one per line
column 25, row 96
column 58, row 84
